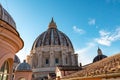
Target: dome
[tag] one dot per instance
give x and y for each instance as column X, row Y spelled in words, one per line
column 5, row 16
column 52, row 37
column 16, row 59
column 100, row 56
column 23, row 67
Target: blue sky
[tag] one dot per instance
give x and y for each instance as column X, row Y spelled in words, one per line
column 88, row 23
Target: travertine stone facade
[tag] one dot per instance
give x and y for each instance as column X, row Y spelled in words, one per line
column 50, row 49
column 64, row 55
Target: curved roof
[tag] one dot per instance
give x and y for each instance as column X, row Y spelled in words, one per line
column 100, row 56
column 23, row 67
column 5, row 16
column 16, row 59
column 52, row 37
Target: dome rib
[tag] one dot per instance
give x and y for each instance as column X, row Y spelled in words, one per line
column 52, row 37
column 23, row 67
column 6, row 17
column 47, row 38
column 43, row 39
column 59, row 38
column 56, row 37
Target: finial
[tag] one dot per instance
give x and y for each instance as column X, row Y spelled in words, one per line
column 99, row 51
column 98, row 48
column 52, row 24
column 52, row 21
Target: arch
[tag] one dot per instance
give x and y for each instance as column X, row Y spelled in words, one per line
column 21, row 78
column 6, row 57
column 4, row 70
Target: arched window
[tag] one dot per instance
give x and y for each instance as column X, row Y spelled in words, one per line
column 22, row 78
column 4, row 71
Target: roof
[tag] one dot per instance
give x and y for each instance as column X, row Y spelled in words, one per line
column 23, row 67
column 107, row 66
column 69, row 68
column 99, row 57
column 52, row 36
column 6, row 17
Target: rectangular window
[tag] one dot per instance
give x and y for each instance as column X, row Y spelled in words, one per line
column 56, row 60
column 47, row 61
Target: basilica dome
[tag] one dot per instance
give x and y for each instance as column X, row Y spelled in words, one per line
column 52, row 37
column 51, row 48
column 5, row 16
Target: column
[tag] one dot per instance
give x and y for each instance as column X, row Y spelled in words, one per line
column 73, row 60
column 52, row 62
column 40, row 60
column 63, row 59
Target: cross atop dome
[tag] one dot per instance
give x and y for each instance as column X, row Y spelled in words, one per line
column 52, row 24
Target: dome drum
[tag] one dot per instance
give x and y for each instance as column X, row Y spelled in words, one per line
column 56, row 48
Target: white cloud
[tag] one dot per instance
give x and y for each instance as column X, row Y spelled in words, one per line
column 106, row 38
column 84, row 52
column 92, row 22
column 78, row 30
column 104, row 33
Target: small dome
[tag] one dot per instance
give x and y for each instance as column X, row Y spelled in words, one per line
column 23, row 67
column 52, row 37
column 5, row 16
column 16, row 59
column 100, row 56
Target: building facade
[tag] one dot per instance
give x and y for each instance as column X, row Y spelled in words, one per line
column 10, row 44
column 50, row 49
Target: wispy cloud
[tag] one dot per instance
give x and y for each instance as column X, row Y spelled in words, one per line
column 91, row 21
column 78, row 30
column 106, row 38
column 84, row 52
